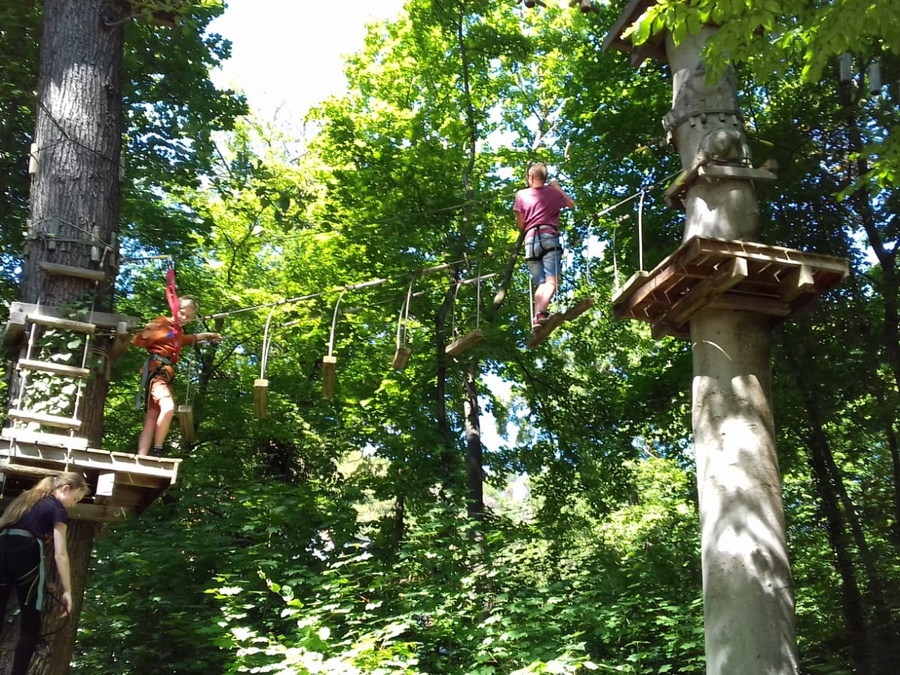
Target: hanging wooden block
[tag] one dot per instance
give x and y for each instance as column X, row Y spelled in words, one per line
column 464, row 343
column 401, row 358
column 186, row 421
column 260, row 398
column 329, row 376
column 33, row 159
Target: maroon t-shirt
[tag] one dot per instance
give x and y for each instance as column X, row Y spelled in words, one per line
column 540, row 206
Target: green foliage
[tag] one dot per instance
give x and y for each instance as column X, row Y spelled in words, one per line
column 331, row 536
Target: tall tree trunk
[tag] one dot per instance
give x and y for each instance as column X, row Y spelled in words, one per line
column 747, row 586
column 474, row 458
column 851, row 598
column 75, row 194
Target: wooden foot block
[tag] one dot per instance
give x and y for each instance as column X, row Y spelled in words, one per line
column 329, row 376
column 260, row 398
column 186, row 423
column 401, row 358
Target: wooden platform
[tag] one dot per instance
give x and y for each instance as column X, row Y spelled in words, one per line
column 719, row 274
column 122, row 484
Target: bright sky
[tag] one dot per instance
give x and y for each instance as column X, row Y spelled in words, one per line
column 287, row 54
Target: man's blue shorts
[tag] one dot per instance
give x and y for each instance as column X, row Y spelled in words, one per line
column 542, row 255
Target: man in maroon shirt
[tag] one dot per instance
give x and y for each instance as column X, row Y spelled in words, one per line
column 537, row 213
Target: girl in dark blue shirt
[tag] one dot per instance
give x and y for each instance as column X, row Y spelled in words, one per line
column 27, row 521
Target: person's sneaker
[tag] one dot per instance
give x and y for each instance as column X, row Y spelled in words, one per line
column 157, row 451
column 543, row 317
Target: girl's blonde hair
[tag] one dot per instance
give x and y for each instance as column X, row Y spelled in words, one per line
column 25, row 501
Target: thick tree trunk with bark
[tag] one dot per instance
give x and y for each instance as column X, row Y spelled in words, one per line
column 74, row 215
column 474, row 450
column 747, row 586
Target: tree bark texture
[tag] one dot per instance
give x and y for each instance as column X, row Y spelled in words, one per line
column 474, row 451
column 747, row 587
column 74, row 215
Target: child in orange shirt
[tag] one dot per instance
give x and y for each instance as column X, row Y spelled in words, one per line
column 163, row 340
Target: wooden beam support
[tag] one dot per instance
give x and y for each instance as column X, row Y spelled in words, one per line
column 797, row 283
column 727, row 276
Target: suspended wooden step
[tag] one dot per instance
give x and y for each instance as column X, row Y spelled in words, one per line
column 260, row 398
column 401, row 358
column 465, row 343
column 557, row 320
column 55, row 368
column 69, row 271
column 329, row 376
column 186, row 423
column 707, row 273
column 45, row 420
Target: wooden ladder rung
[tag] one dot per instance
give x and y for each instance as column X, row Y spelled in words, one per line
column 29, row 437
column 48, row 420
column 57, row 368
column 69, row 271
column 63, row 324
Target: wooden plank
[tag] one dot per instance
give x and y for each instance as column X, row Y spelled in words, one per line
column 260, row 398
column 186, row 423
column 62, row 324
column 56, row 368
column 401, row 358
column 100, row 513
column 798, row 282
column 558, row 319
column 99, row 319
column 42, row 418
column 69, row 271
column 635, row 281
column 544, row 331
column 464, row 343
column 329, row 376
column 578, row 309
